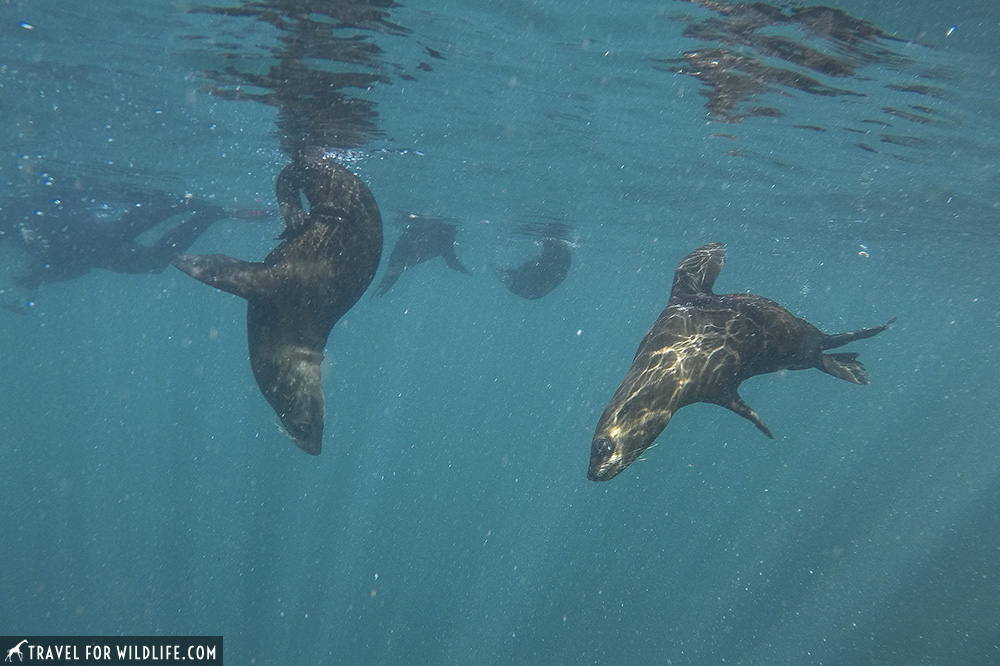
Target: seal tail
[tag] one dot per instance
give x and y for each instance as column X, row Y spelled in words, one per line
column 845, row 366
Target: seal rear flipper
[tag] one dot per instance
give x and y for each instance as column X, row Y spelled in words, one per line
column 388, row 279
column 240, row 278
column 841, row 339
column 454, row 264
column 737, row 405
column 845, row 366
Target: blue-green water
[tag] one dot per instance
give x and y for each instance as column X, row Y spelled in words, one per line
column 146, row 488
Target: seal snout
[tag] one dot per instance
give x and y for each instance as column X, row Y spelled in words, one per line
column 307, row 436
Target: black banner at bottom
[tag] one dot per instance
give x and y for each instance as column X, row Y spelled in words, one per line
column 89, row 650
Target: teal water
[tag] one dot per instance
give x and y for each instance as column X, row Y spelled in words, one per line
column 147, row 489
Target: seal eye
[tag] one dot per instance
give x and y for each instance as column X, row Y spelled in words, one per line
column 602, row 448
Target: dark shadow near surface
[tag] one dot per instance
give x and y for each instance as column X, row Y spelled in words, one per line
column 325, row 57
column 755, row 49
column 63, row 228
column 422, row 239
column 541, row 274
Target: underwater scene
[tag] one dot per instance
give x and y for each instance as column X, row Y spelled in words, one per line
column 534, row 332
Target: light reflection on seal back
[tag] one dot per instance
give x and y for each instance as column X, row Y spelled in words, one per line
column 700, row 349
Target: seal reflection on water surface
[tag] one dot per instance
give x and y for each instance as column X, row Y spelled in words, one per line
column 700, row 349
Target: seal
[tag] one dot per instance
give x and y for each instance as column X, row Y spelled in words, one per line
column 700, row 349
column 66, row 233
column 541, row 274
column 423, row 238
column 325, row 262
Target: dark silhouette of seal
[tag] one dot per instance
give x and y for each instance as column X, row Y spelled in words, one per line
column 64, row 235
column 538, row 276
column 423, row 238
column 295, row 296
column 700, row 349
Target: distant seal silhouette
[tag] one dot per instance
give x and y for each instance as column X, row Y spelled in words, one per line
column 423, row 238
column 538, row 276
column 295, row 296
column 700, row 349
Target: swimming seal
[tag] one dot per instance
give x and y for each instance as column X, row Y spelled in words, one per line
column 700, row 349
column 541, row 274
column 423, row 238
column 305, row 285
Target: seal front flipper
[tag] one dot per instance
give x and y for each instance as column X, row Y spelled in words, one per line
column 323, row 184
column 697, row 272
column 736, row 404
column 246, row 279
column 287, row 189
